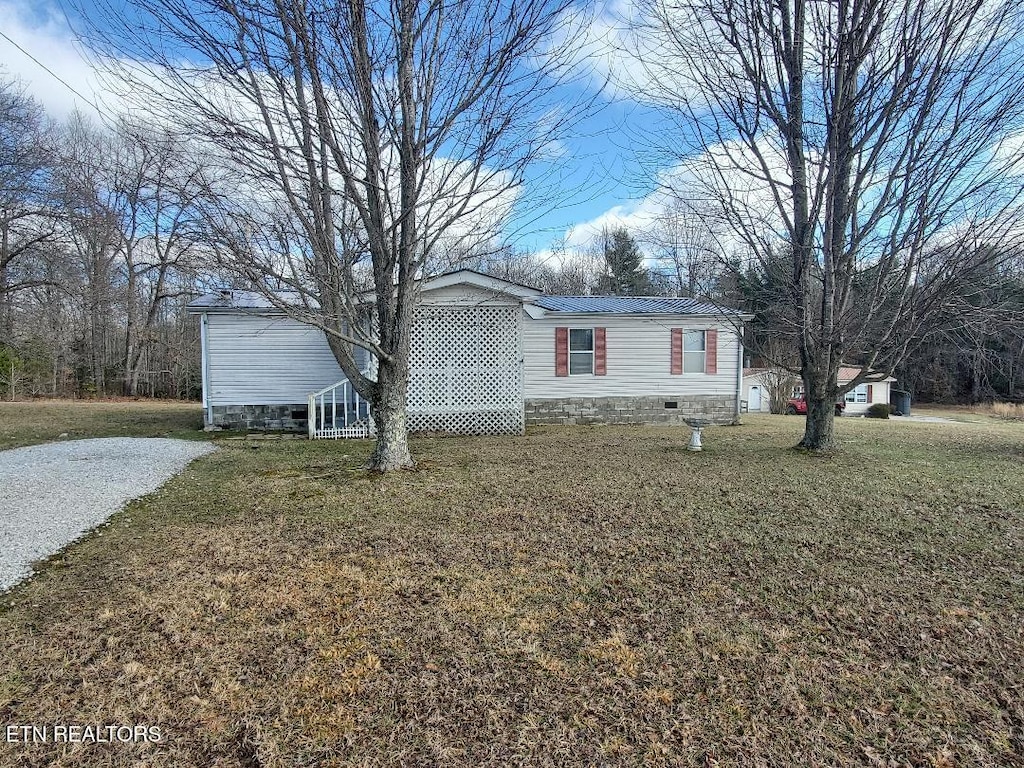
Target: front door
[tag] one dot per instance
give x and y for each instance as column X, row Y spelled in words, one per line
column 754, row 400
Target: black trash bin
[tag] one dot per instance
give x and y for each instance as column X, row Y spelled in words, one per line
column 899, row 399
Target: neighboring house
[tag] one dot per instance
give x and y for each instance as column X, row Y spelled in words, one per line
column 488, row 356
column 756, row 382
column 863, row 396
column 757, row 388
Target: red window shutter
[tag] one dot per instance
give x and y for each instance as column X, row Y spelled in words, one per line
column 870, row 393
column 677, row 351
column 561, row 351
column 711, row 351
column 600, row 352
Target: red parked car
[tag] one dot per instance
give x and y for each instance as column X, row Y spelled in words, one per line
column 798, row 406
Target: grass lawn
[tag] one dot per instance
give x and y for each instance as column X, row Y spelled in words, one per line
column 43, row 421
column 575, row 597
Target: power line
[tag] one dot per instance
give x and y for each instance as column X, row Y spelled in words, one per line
column 53, row 74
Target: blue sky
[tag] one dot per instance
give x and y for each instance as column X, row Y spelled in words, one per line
column 597, row 182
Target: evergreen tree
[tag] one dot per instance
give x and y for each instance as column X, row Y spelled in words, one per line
column 626, row 275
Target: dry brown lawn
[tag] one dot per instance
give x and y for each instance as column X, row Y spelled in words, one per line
column 575, row 597
column 40, row 421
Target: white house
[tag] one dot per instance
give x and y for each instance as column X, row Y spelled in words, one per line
column 488, row 356
column 756, row 382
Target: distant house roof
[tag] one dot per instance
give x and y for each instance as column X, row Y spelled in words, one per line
column 630, row 305
column 849, row 373
column 846, row 373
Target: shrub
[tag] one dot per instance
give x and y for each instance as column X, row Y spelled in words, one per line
column 878, row 411
column 1014, row 411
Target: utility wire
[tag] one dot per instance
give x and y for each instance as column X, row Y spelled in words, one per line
column 54, row 75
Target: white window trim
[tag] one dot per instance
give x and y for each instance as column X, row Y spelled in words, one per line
column 704, row 352
column 570, row 353
column 858, row 395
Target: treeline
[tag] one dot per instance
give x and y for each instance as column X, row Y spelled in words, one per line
column 98, row 256
column 105, row 236
column 970, row 352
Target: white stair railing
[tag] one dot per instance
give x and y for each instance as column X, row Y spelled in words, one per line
column 337, row 411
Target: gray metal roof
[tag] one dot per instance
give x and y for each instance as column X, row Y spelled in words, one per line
column 631, row 305
column 236, row 299
column 228, row 300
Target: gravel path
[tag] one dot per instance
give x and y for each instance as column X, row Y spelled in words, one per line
column 51, row 494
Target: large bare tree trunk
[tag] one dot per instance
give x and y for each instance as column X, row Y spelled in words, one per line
column 819, row 428
column 821, row 392
column 389, row 415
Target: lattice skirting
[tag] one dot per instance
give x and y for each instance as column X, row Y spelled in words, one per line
column 465, row 374
column 352, row 432
column 477, row 423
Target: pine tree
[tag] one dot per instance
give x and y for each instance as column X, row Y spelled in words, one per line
column 626, row 275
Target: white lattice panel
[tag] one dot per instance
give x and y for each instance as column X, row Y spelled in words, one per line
column 465, row 374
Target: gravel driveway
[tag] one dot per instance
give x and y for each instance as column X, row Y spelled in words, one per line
column 51, row 494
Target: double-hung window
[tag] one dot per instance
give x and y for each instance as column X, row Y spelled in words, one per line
column 858, row 394
column 581, row 351
column 694, row 350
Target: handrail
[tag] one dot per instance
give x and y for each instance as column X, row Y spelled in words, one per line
column 328, row 388
column 323, row 420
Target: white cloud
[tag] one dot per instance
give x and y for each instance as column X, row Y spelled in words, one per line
column 626, row 52
column 42, row 31
column 634, row 215
column 599, row 41
column 699, row 183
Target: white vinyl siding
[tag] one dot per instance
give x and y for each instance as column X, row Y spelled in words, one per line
column 267, row 360
column 466, row 294
column 638, row 354
column 859, row 404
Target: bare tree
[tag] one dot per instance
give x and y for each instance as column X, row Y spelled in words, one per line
column 365, row 135
column 25, row 156
column 683, row 243
column 154, row 190
column 90, row 229
column 873, row 140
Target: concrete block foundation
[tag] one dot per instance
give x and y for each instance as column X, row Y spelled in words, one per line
column 284, row 418
column 660, row 409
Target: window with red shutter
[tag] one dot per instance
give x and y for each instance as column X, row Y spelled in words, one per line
column 600, row 352
column 711, row 351
column 694, row 351
column 677, row 351
column 561, row 351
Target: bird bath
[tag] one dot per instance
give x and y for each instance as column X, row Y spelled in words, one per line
column 696, row 425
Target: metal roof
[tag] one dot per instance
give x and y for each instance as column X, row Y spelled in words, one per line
column 228, row 300
column 631, row 305
column 236, row 299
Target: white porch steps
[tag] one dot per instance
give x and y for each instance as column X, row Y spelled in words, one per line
column 337, row 411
